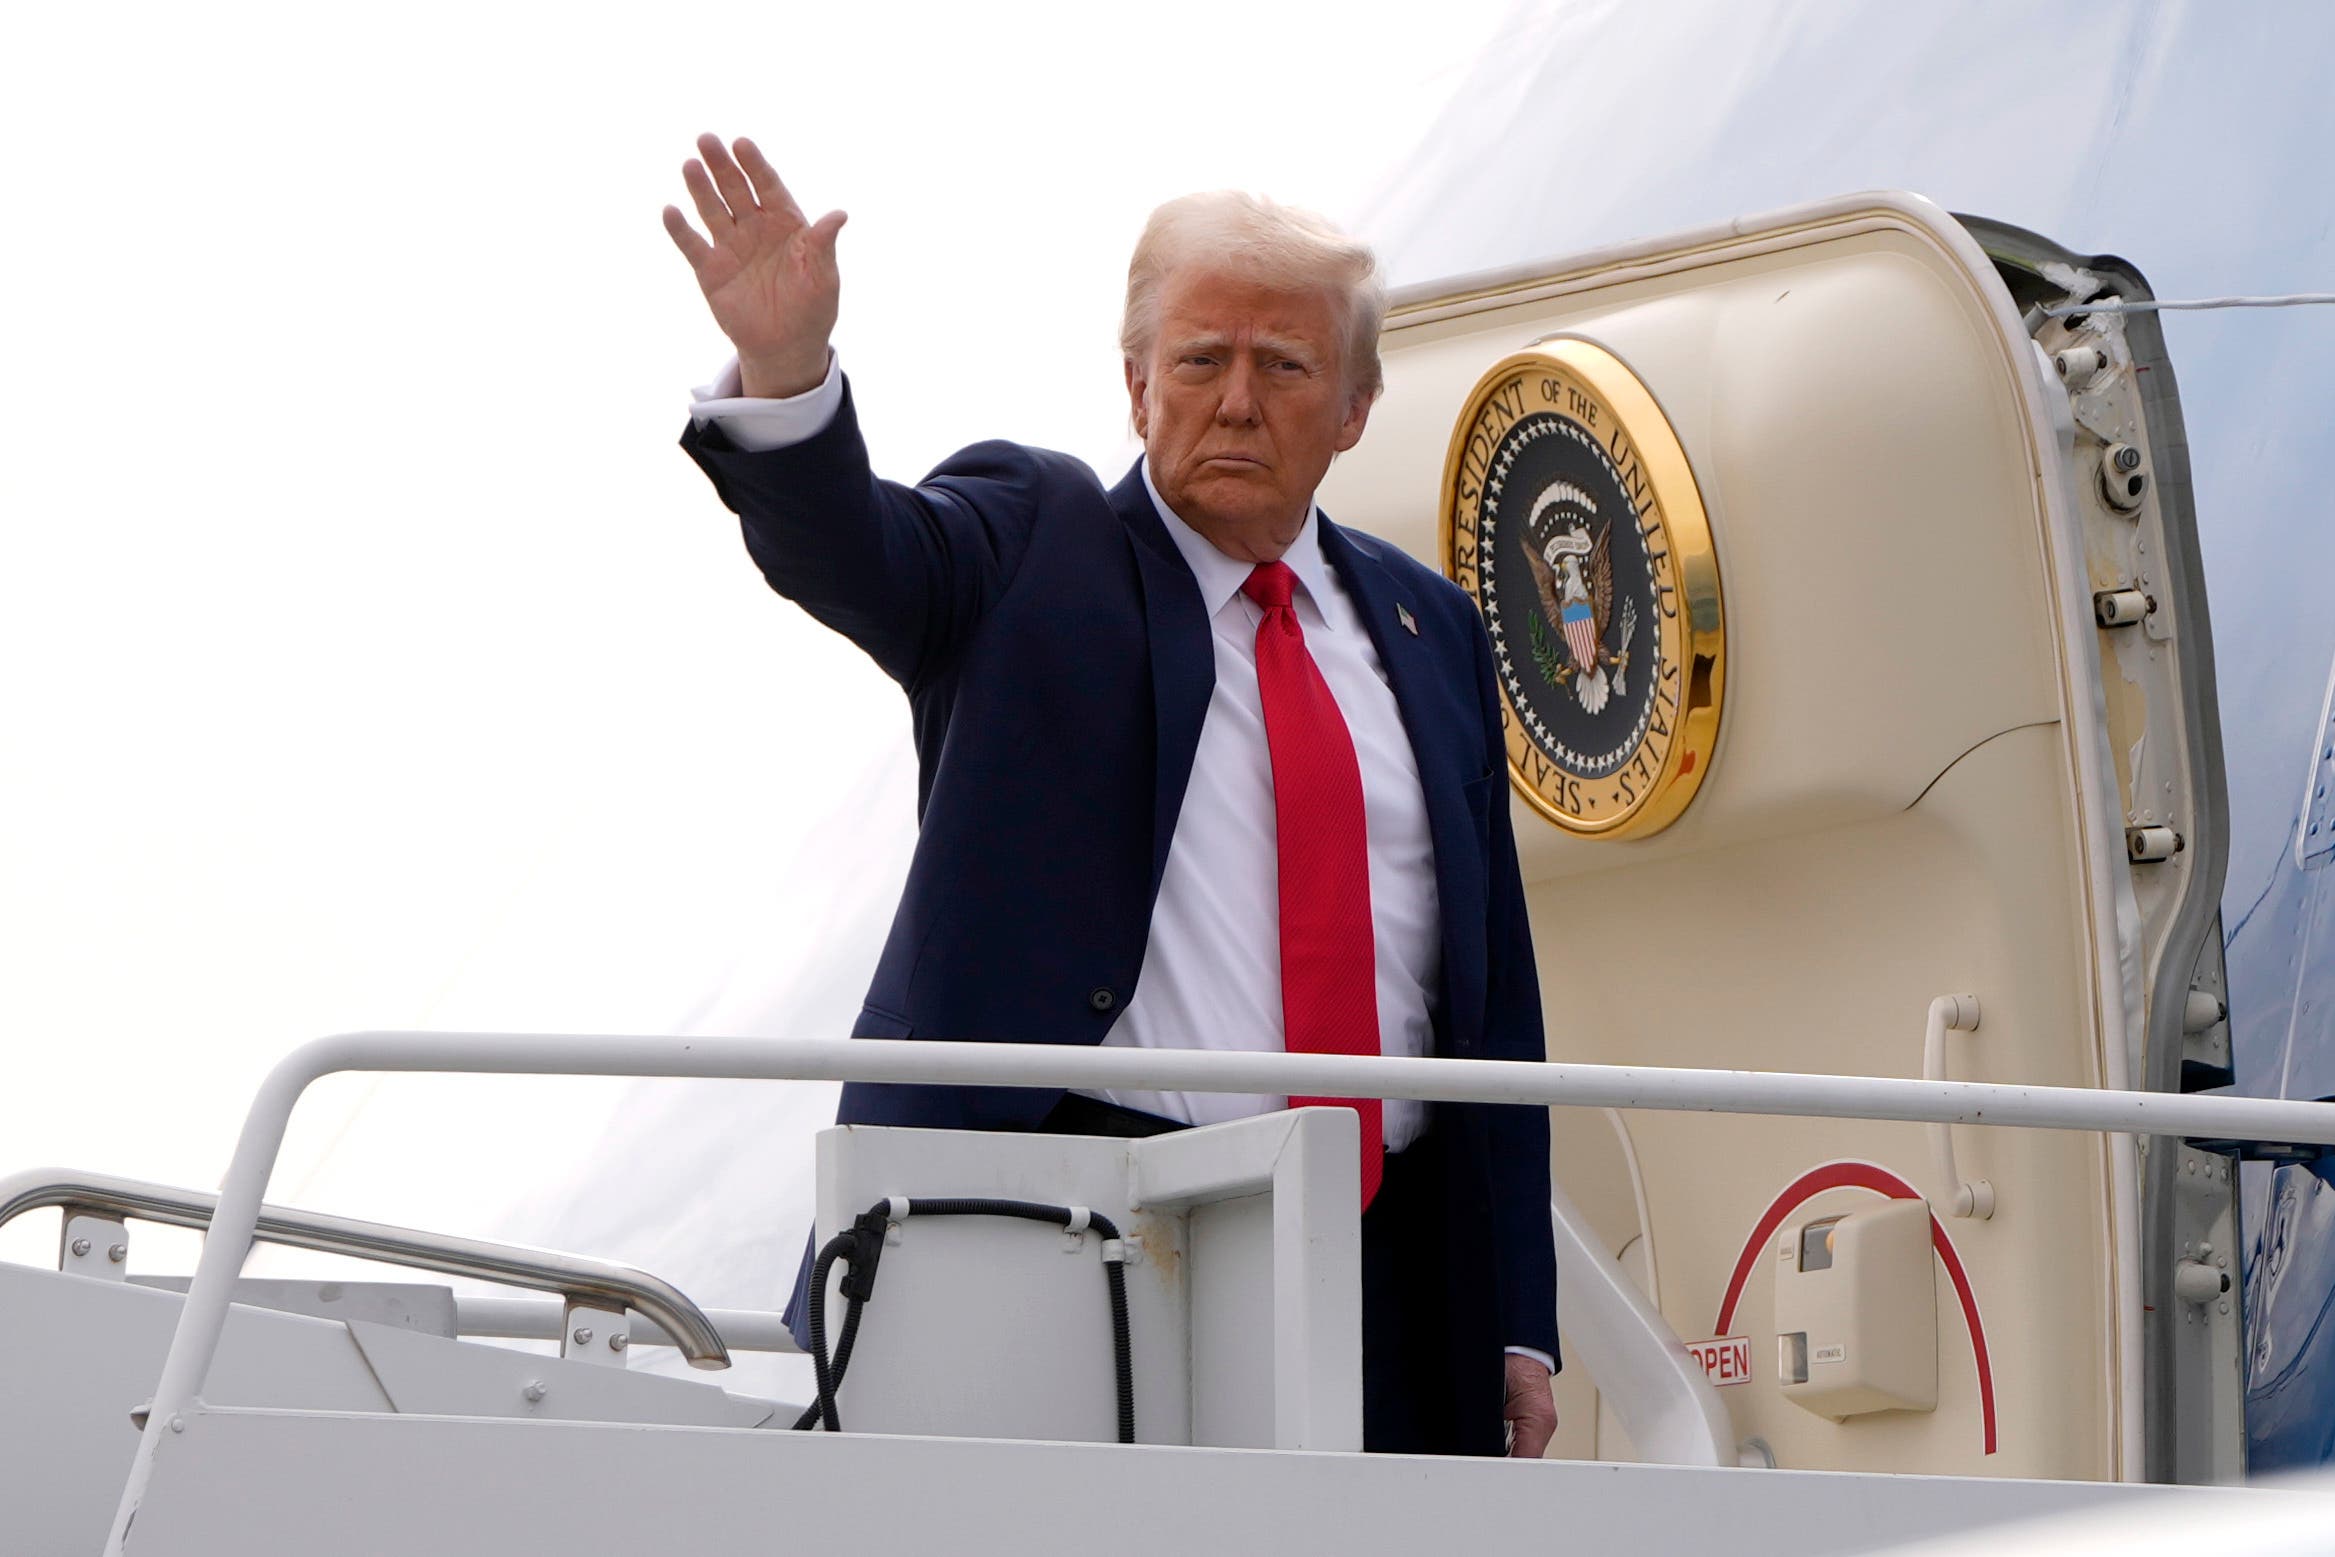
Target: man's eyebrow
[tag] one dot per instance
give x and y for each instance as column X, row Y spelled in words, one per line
column 1273, row 345
column 1297, row 351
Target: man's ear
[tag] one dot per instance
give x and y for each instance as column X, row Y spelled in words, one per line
column 1137, row 387
column 1357, row 417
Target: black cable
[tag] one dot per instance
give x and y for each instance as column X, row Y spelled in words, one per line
column 861, row 1247
column 844, row 1342
column 1027, row 1210
column 1122, row 1355
column 822, row 1410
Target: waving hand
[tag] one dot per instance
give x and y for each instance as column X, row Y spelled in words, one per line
column 767, row 273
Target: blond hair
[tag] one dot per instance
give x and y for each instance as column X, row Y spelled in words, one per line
column 1277, row 245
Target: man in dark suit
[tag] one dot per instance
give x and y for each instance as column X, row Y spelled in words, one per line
column 1196, row 767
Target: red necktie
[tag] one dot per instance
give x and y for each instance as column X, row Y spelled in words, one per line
column 1329, row 983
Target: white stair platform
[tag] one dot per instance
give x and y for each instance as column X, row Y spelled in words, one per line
column 253, row 1482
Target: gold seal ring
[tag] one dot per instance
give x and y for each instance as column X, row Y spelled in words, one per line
column 1572, row 516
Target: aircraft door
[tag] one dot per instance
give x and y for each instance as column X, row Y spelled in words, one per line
column 1779, row 535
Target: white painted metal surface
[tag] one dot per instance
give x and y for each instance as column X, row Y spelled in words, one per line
column 1659, row 1391
column 192, row 1349
column 82, row 1353
column 501, row 1487
column 1243, row 1296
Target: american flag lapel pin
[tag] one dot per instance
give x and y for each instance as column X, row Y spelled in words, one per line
column 1410, row 622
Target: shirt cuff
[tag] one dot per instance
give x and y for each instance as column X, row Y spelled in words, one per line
column 758, row 426
column 1536, row 1354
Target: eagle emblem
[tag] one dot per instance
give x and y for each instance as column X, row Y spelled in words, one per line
column 1571, row 514
column 1572, row 564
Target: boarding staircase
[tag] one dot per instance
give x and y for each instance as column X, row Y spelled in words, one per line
column 231, row 1415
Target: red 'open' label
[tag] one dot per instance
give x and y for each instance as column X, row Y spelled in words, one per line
column 1727, row 1360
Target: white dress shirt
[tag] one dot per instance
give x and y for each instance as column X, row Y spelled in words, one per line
column 1211, row 975
column 1212, row 967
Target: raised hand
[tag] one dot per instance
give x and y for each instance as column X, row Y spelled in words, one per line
column 768, row 275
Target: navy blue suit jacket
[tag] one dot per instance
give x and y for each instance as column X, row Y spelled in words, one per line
column 1058, row 664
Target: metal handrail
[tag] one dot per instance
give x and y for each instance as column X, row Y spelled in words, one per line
column 573, row 1276
column 532, row 1319
column 1658, row 1390
column 930, row 1062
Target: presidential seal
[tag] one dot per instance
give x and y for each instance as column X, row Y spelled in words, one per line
column 1571, row 514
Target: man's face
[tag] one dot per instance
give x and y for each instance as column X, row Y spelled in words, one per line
column 1242, row 405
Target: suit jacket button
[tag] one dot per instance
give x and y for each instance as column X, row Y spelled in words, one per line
column 1102, row 1000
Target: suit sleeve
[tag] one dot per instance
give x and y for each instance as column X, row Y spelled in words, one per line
column 904, row 572
column 1525, row 1250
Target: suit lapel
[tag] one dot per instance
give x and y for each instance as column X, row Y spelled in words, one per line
column 1411, row 669
column 1183, row 657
